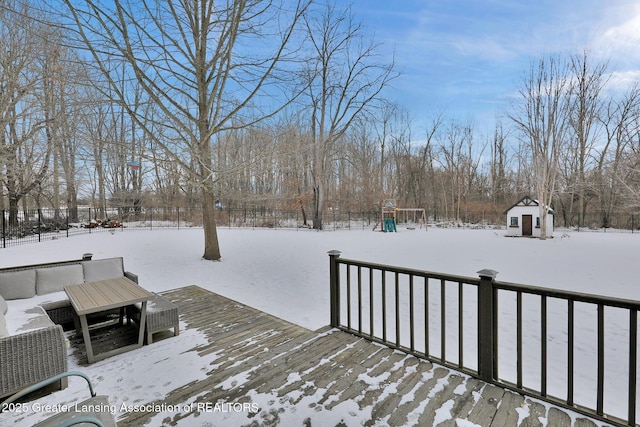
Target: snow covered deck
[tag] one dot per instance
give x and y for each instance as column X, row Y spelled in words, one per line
column 267, row 371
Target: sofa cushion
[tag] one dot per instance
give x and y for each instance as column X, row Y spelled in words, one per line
column 29, row 314
column 103, row 269
column 18, row 284
column 46, row 301
column 27, row 319
column 3, row 306
column 54, row 279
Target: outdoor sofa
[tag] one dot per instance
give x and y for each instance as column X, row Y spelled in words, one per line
column 33, row 305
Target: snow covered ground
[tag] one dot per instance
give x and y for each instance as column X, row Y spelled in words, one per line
column 285, row 272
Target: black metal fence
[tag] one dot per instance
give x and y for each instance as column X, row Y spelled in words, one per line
column 34, row 225
column 574, row 350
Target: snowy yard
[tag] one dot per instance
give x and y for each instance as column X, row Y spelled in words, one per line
column 285, row 272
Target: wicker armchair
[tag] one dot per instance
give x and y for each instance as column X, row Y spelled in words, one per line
column 31, row 357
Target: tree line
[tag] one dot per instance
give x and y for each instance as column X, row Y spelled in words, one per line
column 280, row 104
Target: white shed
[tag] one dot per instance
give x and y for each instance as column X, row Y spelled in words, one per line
column 523, row 218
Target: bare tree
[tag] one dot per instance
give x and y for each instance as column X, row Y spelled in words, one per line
column 194, row 62
column 619, row 119
column 392, row 134
column 344, row 81
column 459, row 165
column 586, row 103
column 499, row 165
column 541, row 117
column 27, row 117
column 96, row 131
column 68, row 104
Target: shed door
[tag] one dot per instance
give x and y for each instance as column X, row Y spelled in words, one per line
column 527, row 222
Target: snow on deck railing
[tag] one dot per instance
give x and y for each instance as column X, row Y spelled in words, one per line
column 574, row 350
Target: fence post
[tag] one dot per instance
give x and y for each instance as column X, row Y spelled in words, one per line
column 486, row 336
column 334, row 287
column 39, row 212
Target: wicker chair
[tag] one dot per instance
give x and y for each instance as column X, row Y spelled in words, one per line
column 31, row 357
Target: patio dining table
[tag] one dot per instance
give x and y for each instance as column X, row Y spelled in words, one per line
column 105, row 295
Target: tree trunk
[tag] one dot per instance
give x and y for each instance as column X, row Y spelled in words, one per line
column 318, row 206
column 304, row 214
column 72, row 203
column 211, row 245
column 13, row 211
column 543, row 221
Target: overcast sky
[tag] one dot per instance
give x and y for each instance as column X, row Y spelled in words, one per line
column 467, row 57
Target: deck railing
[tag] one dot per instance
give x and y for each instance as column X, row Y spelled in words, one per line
column 575, row 350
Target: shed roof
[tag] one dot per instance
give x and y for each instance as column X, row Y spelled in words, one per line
column 528, row 201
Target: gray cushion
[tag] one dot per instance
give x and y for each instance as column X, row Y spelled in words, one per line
column 3, row 306
column 54, row 279
column 18, row 284
column 30, row 319
column 103, row 269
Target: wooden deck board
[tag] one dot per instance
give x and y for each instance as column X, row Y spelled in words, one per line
column 301, row 370
column 507, row 415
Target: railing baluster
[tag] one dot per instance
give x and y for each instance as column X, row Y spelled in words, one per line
column 384, row 305
column 460, row 326
column 397, row 308
column 371, row 305
column 359, row 299
column 443, row 321
column 600, row 398
column 412, row 330
column 543, row 345
column 633, row 364
column 496, row 344
column 570, row 344
column 519, row 338
column 349, row 296
column 426, row 316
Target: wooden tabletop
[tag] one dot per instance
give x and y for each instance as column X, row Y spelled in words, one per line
column 104, row 295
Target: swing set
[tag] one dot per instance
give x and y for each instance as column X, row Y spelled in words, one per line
column 390, row 216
